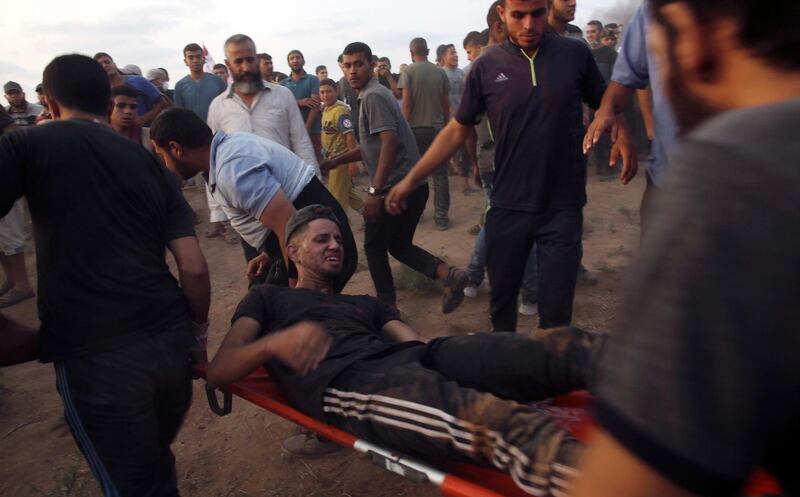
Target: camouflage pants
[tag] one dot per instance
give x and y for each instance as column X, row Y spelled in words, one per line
column 466, row 398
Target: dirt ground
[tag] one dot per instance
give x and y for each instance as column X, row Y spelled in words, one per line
column 240, row 455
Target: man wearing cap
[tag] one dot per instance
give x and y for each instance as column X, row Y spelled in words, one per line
column 23, row 112
column 258, row 184
column 351, row 362
column 16, row 287
column 151, row 101
column 532, row 89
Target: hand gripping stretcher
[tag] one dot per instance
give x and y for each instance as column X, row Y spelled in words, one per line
column 453, row 480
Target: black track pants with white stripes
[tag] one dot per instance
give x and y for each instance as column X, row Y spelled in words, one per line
column 424, row 402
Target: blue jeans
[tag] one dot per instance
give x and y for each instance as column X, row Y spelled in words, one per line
column 124, row 408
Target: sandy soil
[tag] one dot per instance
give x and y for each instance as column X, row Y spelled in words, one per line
column 240, row 455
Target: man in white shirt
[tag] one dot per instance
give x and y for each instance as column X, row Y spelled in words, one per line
column 253, row 105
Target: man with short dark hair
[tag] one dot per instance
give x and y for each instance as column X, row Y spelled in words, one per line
column 45, row 114
column 124, row 101
column 321, row 72
column 267, row 69
column 115, row 322
column 351, row 362
column 699, row 386
column 257, row 183
column 562, row 12
column 23, row 112
column 383, row 71
column 594, row 34
column 455, row 75
column 151, row 101
column 305, row 88
column 348, row 96
column 221, row 71
column 197, row 90
column 532, row 88
column 388, row 150
column 426, row 107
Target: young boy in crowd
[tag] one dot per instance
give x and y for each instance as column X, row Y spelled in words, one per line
column 338, row 137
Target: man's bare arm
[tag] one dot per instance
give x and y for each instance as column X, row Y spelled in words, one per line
column 301, row 347
column 611, row 470
column 615, row 100
column 408, row 102
column 275, row 216
column 196, row 288
column 18, row 343
column 398, row 331
column 145, row 119
column 443, row 147
column 646, row 107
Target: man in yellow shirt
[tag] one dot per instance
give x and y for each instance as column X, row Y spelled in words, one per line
column 338, row 137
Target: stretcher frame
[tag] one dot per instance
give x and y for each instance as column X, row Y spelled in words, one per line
column 454, row 480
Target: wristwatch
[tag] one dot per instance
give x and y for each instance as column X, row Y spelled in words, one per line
column 376, row 192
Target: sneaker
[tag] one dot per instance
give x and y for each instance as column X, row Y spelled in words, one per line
column 471, row 291
column 474, row 230
column 454, row 285
column 309, row 445
column 528, row 308
column 442, row 225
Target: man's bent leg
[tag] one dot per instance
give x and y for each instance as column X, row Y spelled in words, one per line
column 417, row 411
column 441, row 184
column 509, row 238
column 558, row 239
column 124, row 408
column 377, row 251
column 517, row 367
column 401, row 232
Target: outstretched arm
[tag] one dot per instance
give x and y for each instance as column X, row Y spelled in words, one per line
column 398, row 331
column 301, row 347
column 443, row 147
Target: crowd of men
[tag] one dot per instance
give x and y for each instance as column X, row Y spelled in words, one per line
column 695, row 383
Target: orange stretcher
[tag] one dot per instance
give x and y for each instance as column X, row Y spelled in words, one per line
column 453, row 480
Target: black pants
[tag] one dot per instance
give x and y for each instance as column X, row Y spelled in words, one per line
column 395, row 235
column 314, row 193
column 464, row 398
column 509, row 237
column 124, row 408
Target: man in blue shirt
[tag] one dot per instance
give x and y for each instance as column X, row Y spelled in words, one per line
column 305, row 88
column 637, row 69
column 531, row 88
column 258, row 183
column 151, row 101
column 196, row 91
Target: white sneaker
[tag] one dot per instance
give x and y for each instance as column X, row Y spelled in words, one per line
column 528, row 308
column 471, row 291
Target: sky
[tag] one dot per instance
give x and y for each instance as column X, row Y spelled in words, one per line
column 152, row 33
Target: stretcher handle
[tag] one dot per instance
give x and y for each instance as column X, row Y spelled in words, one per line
column 213, row 402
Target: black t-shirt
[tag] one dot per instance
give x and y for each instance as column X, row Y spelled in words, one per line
column 103, row 211
column 538, row 130
column 354, row 323
column 702, row 379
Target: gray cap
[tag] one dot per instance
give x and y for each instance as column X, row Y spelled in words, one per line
column 306, row 215
column 132, row 69
column 10, row 86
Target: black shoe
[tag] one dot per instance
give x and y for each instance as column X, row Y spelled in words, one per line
column 454, row 285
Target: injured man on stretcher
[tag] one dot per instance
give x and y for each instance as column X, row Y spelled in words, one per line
column 349, row 361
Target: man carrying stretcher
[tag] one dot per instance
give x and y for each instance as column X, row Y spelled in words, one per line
column 350, row 361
